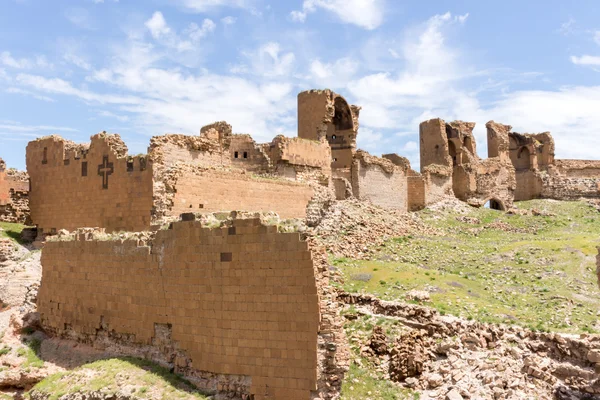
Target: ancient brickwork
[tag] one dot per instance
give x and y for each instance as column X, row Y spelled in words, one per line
column 14, row 195
column 326, row 114
column 74, row 186
column 379, row 181
column 246, row 154
column 415, row 187
column 223, row 190
column 238, row 300
column 434, row 144
column 303, row 152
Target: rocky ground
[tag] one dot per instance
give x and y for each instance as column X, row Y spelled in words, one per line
column 449, row 303
column 444, row 357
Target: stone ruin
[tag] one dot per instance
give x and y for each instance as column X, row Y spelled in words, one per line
column 100, row 185
column 241, row 308
column 14, row 200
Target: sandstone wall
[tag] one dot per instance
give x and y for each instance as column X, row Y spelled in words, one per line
column 559, row 187
column 434, row 144
column 224, row 190
column 379, row 181
column 203, row 151
column 529, row 185
column 72, row 186
column 415, row 187
column 239, row 302
column 579, row 168
column 14, row 195
column 298, row 151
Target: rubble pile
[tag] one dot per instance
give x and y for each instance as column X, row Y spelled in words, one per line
column 351, row 228
column 450, row 358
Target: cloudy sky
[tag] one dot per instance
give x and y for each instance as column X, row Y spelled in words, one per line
column 142, row 68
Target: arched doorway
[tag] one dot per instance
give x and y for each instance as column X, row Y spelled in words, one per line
column 494, row 204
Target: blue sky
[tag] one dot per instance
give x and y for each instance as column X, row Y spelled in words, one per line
column 143, row 68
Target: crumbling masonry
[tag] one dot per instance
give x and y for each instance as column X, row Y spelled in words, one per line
column 14, row 201
column 243, row 309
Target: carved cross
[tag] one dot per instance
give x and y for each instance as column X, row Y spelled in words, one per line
column 104, row 170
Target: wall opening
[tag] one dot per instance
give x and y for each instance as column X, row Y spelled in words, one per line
column 452, row 152
column 235, row 155
column 494, row 204
column 522, row 161
column 342, row 118
column 245, row 154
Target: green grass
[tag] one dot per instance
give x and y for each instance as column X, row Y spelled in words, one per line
column 544, row 279
column 362, row 383
column 146, row 379
column 30, row 352
column 11, row 231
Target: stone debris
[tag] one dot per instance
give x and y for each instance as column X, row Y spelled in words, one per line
column 446, row 357
column 353, row 229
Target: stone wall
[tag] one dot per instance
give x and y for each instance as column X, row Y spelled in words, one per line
column 14, row 195
column 239, row 302
column 528, row 185
column 379, row 181
column 324, row 114
column 298, row 151
column 76, row 186
column 415, row 187
column 434, row 144
column 209, row 190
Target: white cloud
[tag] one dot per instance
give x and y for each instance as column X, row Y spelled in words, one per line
column 60, row 86
column 567, row 27
column 24, row 63
column 196, row 32
column 14, row 90
column 269, row 60
column 229, row 20
column 77, row 61
column 12, row 127
column 208, row 5
column 79, row 17
column 586, row 60
column 333, row 75
column 367, row 14
column 157, row 25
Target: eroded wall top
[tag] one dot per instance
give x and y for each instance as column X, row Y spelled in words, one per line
column 240, row 300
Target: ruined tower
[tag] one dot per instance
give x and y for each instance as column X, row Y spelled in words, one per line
column 324, row 114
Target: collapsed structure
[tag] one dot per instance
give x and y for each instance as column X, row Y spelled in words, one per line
column 14, row 201
column 100, row 185
column 242, row 308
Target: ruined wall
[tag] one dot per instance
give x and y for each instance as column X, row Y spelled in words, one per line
column 326, row 114
column 14, row 195
column 298, row 151
column 246, row 154
column 437, row 183
column 379, row 181
column 578, row 168
column 240, row 302
column 497, row 138
column 415, row 187
column 224, row 190
column 168, row 150
column 75, row 186
column 434, row 144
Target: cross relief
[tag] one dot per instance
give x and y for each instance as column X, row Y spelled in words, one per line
column 104, row 170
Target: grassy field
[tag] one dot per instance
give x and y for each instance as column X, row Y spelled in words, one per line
column 140, row 378
column 11, row 231
column 535, row 271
